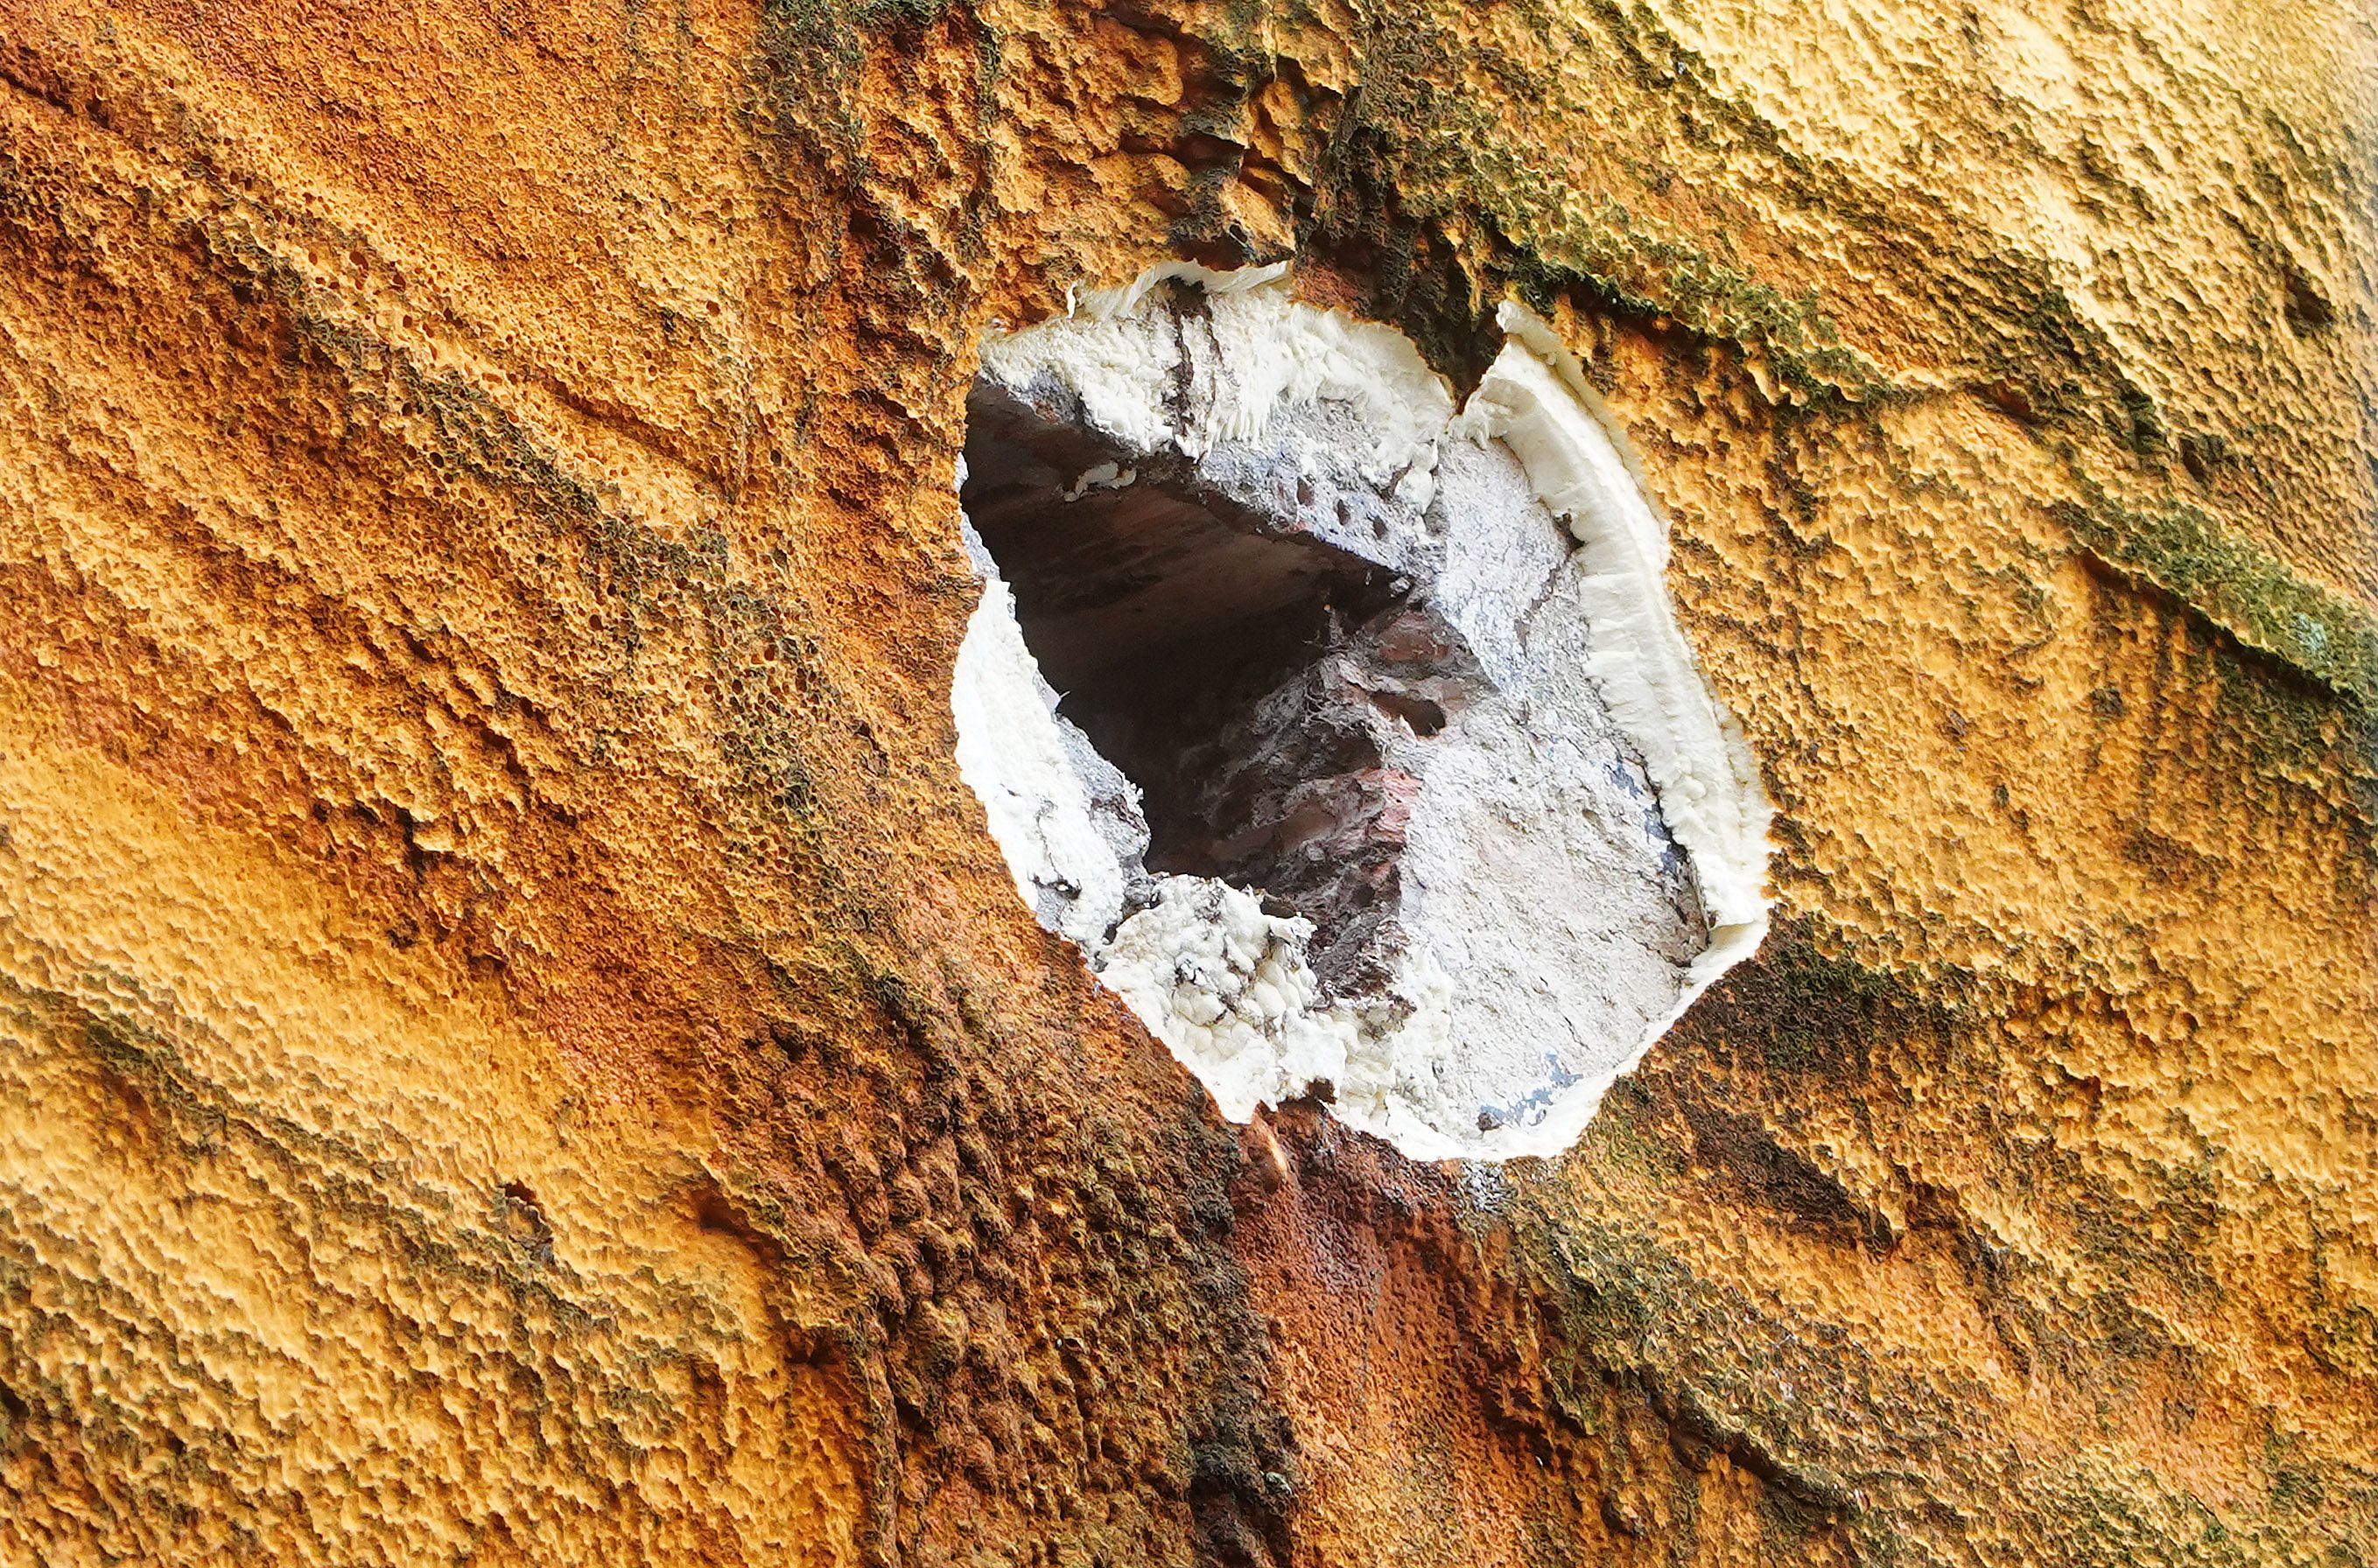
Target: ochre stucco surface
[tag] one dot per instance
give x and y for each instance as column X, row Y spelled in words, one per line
column 515, row 1045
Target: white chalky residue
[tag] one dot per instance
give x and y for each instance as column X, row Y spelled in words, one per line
column 1259, row 351
column 1509, row 873
column 1066, row 819
column 1534, row 400
column 1227, row 986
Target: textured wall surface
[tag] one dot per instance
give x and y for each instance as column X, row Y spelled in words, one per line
column 515, row 1045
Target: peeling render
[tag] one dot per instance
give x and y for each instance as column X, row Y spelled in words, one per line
column 1352, row 737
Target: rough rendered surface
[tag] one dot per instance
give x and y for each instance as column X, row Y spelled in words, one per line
column 516, row 1045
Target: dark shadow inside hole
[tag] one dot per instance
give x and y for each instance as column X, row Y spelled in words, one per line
column 1190, row 636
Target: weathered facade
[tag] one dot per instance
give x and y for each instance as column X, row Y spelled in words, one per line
column 517, row 1046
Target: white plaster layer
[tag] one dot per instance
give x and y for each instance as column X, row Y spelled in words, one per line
column 1227, row 986
column 1534, row 399
column 1541, row 863
column 1066, row 819
column 1254, row 352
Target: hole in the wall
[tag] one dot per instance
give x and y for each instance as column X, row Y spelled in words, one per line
column 1203, row 646
column 1282, row 703
column 1121, row 563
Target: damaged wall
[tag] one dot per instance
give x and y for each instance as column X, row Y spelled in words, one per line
column 515, row 1041
column 1382, row 775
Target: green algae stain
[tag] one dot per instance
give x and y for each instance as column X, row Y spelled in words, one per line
column 1637, row 267
column 2245, row 592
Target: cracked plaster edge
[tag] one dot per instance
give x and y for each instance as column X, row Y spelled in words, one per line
column 1122, row 300
column 1534, row 399
column 1121, row 365
column 1027, row 766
